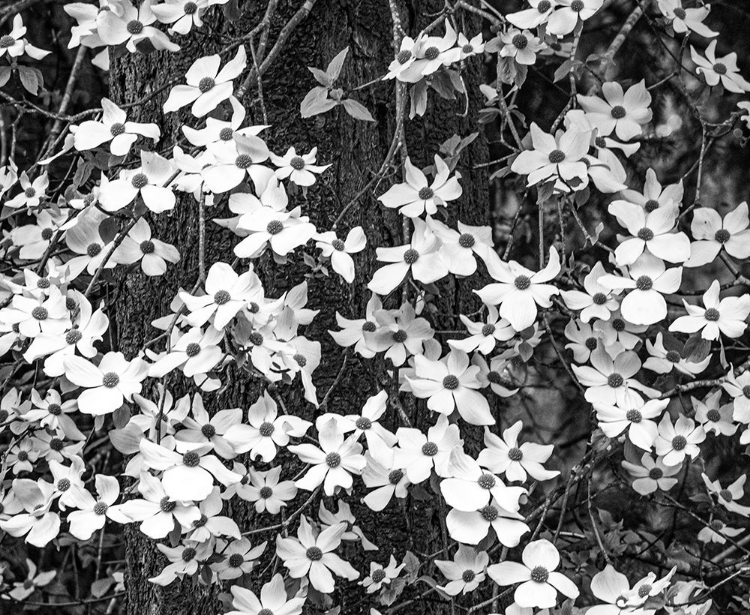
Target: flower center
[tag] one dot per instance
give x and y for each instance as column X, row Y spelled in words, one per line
column 378, row 575
column 722, row 235
column 147, row 247
column 411, row 256
column 371, row 327
column 679, row 443
column 646, row 234
column 515, row 454
column 403, row 56
column 522, row 282
column 634, row 416
column 395, row 477
column 94, row 249
column 429, row 449
column 644, row 590
column 166, row 505
column 265, row 492
column 467, row 49
column 556, row 156
column 720, row 68
column 400, row 336
column 191, row 459
column 468, row 576
column 338, row 245
column 297, row 163
column 110, row 380
column 193, row 349
column 725, row 494
column 716, row 525
column 544, row 6
column 206, row 84
column 134, row 27
column 40, row 313
column 466, row 240
column 618, row 324
column 673, row 356
column 188, row 554
column 333, row 460
column 488, row 329
column 46, row 234
column 426, row 193
column 265, row 612
column 117, row 129
column 615, row 380
column 56, row 444
column 201, row 521
column 314, row 554
column 274, row 227
column 644, row 283
column 450, row 382
column 431, row 53
column 300, row 359
column 711, row 314
column 63, row 484
column 618, row 112
column 746, row 391
column 363, row 423
column 577, row 6
column 243, row 161
column 236, row 560
column 22, row 455
column 30, row 193
column 540, row 574
column 520, row 41
column 600, row 142
column 713, row 415
column 208, row 431
column 190, row 8
column 7, row 41
column 494, row 378
column 486, row 481
column 100, row 508
column 599, row 299
column 489, row 513
column 680, row 13
column 139, row 180
column 266, row 429
column 651, row 205
column 255, row 338
column 222, row 297
column 592, row 343
column 54, row 409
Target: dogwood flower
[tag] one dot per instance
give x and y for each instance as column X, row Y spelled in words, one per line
column 465, row 572
column 132, row 26
column 333, row 463
column 418, row 453
column 417, row 196
column 182, row 15
column 677, row 440
column 521, row 46
column 300, row 169
column 93, row 513
column 339, row 251
column 107, row 385
column 722, row 70
column 567, row 15
column 596, row 302
column 183, row 560
column 611, row 587
column 505, row 456
column 207, row 86
column 739, row 388
column 400, row 333
column 539, row 583
column 38, row 523
column 437, row 51
column 311, row 556
column 652, row 232
column 283, row 231
column 38, row 316
column 265, row 430
column 711, row 234
column 23, row 589
column 472, row 527
column 273, row 599
column 240, row 557
column 638, row 421
column 725, row 316
column 663, row 361
column 654, row 195
column 380, row 576
column 420, row 257
column 713, row 416
column 611, row 381
column 264, row 489
column 625, row 114
column 559, row 157
column 686, row 20
column 717, row 531
column 379, row 474
column 32, row 192
column 483, row 337
column 15, row 45
column 114, row 128
column 188, row 475
column 451, row 384
column 728, row 497
column 648, row 280
column 149, row 182
column 532, row 17
column 520, row 290
column 460, row 247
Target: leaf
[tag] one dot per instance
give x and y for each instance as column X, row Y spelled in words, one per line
column 334, row 68
column 696, row 349
column 100, row 587
column 5, row 74
column 316, row 102
column 231, row 10
column 418, row 99
column 121, row 416
column 411, row 565
column 83, row 172
column 321, row 76
column 31, row 79
column 108, row 229
column 357, row 111
column 563, row 70
column 544, row 191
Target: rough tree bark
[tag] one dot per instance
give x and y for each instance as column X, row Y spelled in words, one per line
column 356, row 149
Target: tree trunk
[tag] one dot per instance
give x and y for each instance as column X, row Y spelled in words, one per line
column 356, row 150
